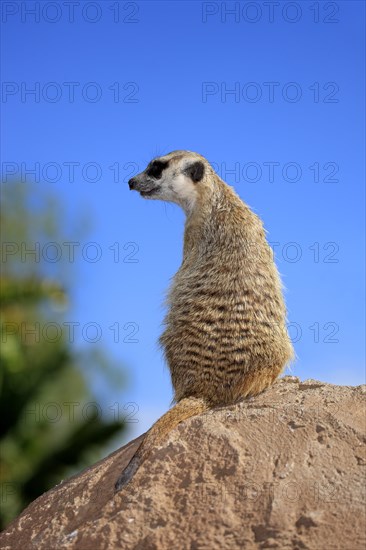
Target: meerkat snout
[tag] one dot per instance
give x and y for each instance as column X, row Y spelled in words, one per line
column 131, row 184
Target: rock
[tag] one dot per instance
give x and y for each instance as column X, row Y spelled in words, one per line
column 282, row 470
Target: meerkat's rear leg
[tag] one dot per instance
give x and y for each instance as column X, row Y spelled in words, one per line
column 184, row 409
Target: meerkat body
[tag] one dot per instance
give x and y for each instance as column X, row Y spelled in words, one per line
column 225, row 334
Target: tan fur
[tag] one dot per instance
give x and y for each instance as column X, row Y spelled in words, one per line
column 225, row 334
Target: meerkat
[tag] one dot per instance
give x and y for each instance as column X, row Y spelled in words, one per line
column 225, row 334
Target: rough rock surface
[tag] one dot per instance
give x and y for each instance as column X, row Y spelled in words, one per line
column 282, row 470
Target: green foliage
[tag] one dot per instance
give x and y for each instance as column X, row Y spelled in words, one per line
column 50, row 421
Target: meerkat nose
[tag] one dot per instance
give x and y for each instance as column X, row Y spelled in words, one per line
column 131, row 183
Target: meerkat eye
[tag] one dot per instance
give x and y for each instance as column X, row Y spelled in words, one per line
column 156, row 169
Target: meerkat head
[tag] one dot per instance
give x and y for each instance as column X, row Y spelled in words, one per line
column 177, row 177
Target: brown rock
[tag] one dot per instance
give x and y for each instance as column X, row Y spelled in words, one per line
column 282, row 470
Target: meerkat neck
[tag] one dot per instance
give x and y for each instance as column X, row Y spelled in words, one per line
column 188, row 206
column 206, row 202
column 211, row 201
column 202, row 227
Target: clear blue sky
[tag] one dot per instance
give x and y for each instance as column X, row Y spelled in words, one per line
column 119, row 82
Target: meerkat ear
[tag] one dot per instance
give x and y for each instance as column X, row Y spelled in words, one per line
column 195, row 171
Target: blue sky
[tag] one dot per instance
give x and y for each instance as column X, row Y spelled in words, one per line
column 274, row 100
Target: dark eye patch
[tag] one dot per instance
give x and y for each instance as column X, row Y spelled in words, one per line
column 155, row 170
